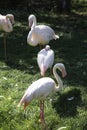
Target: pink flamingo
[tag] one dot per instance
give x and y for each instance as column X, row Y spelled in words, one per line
column 39, row 34
column 41, row 88
column 45, row 59
column 6, row 25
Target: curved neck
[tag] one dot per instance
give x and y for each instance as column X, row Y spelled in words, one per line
column 34, row 22
column 10, row 17
column 29, row 37
column 58, row 79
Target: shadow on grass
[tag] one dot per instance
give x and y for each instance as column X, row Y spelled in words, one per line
column 66, row 104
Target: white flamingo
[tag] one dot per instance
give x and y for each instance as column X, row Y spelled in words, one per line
column 39, row 34
column 6, row 25
column 45, row 59
column 41, row 88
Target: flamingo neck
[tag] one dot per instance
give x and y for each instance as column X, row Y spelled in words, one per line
column 11, row 18
column 58, row 79
column 34, row 22
column 29, row 38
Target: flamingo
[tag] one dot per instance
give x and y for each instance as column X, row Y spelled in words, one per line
column 45, row 59
column 39, row 34
column 41, row 88
column 6, row 25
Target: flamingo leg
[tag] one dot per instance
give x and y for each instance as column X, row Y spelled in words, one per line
column 42, row 115
column 5, row 46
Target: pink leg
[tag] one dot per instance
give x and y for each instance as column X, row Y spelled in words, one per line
column 42, row 115
column 5, row 46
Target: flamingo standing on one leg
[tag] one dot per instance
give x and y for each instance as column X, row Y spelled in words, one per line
column 6, row 25
column 39, row 34
column 41, row 88
column 45, row 59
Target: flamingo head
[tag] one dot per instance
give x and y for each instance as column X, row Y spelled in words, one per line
column 64, row 73
column 47, row 47
column 25, row 103
column 63, row 70
column 11, row 17
column 32, row 20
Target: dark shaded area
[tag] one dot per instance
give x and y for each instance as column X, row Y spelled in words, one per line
column 38, row 6
column 66, row 104
column 85, row 126
column 63, row 6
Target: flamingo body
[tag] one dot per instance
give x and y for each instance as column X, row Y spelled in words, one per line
column 39, row 34
column 38, row 90
column 41, row 88
column 45, row 59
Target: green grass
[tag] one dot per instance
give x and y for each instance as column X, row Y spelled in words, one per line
column 21, row 70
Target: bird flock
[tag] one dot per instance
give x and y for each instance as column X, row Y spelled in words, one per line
column 38, row 35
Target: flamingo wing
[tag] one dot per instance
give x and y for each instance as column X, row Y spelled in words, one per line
column 49, row 59
column 38, row 89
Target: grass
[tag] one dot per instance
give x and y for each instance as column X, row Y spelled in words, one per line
column 21, row 70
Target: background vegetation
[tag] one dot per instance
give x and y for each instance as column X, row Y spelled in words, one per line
column 21, row 68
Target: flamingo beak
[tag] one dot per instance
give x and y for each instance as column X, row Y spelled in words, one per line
column 64, row 73
column 30, row 23
column 26, row 104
